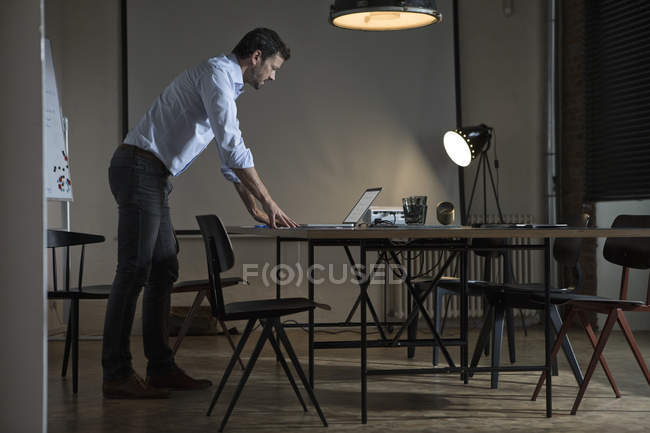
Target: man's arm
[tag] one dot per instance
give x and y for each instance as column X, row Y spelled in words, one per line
column 218, row 98
column 254, row 186
column 251, row 204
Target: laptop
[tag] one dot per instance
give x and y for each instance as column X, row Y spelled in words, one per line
column 355, row 214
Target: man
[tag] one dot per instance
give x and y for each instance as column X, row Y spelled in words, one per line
column 196, row 107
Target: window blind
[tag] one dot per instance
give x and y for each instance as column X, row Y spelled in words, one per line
column 617, row 99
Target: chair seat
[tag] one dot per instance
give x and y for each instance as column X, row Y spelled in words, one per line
column 196, row 285
column 269, row 308
column 561, row 298
column 528, row 288
column 452, row 284
column 100, row 291
column 480, row 287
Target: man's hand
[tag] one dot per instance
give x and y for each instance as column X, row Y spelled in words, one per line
column 277, row 217
column 271, row 214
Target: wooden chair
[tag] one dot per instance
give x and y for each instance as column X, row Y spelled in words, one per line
column 267, row 312
column 628, row 253
column 59, row 239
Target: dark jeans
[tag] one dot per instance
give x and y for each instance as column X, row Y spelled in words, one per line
column 146, row 257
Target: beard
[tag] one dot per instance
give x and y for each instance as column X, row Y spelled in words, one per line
column 258, row 79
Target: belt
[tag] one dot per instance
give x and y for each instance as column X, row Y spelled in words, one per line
column 142, row 152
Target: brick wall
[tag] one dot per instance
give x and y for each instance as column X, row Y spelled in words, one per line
column 571, row 119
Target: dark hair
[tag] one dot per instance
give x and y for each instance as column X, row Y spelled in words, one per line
column 265, row 40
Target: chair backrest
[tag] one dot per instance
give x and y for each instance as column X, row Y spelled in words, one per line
column 629, row 252
column 493, row 249
column 220, row 257
column 64, row 239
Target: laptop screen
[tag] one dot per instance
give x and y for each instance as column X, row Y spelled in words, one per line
column 362, row 205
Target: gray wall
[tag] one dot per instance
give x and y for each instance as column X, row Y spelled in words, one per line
column 502, row 78
column 22, row 382
column 85, row 39
column 349, row 110
column 503, row 84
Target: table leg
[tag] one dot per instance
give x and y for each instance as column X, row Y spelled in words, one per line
column 278, row 289
column 363, row 284
column 278, row 254
column 310, row 280
column 464, row 320
column 547, row 324
column 413, row 326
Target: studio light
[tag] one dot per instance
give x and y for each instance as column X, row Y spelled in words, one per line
column 465, row 144
column 382, row 15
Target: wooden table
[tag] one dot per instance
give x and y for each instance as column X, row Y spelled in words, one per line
column 457, row 240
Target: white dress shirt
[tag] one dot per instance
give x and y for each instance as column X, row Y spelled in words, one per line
column 196, row 107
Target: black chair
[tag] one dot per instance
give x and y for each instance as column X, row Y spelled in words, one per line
column 64, row 239
column 489, row 250
column 202, row 288
column 268, row 312
column 508, row 296
column 627, row 253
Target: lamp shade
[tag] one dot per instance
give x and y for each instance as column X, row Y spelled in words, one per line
column 464, row 144
column 381, row 15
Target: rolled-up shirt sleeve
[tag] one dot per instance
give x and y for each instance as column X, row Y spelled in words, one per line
column 219, row 101
column 229, row 174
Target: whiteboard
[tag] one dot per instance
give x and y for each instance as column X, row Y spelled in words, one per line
column 58, row 185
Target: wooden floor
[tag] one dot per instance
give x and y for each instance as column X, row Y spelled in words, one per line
column 421, row 403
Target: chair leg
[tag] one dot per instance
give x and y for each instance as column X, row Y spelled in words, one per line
column 74, row 311
column 446, row 315
column 437, row 293
column 556, row 321
column 66, row 353
column 232, row 344
column 555, row 368
column 444, row 319
column 523, row 322
column 188, row 319
column 247, row 372
column 555, row 349
column 279, row 329
column 285, row 367
column 413, row 333
column 602, row 341
column 594, row 342
column 490, row 311
column 497, row 337
column 622, row 321
column 483, row 340
column 231, row 363
column 510, row 328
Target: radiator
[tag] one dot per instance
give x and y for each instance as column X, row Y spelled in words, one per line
column 526, row 267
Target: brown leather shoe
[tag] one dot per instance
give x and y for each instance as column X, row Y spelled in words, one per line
column 132, row 387
column 177, row 380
